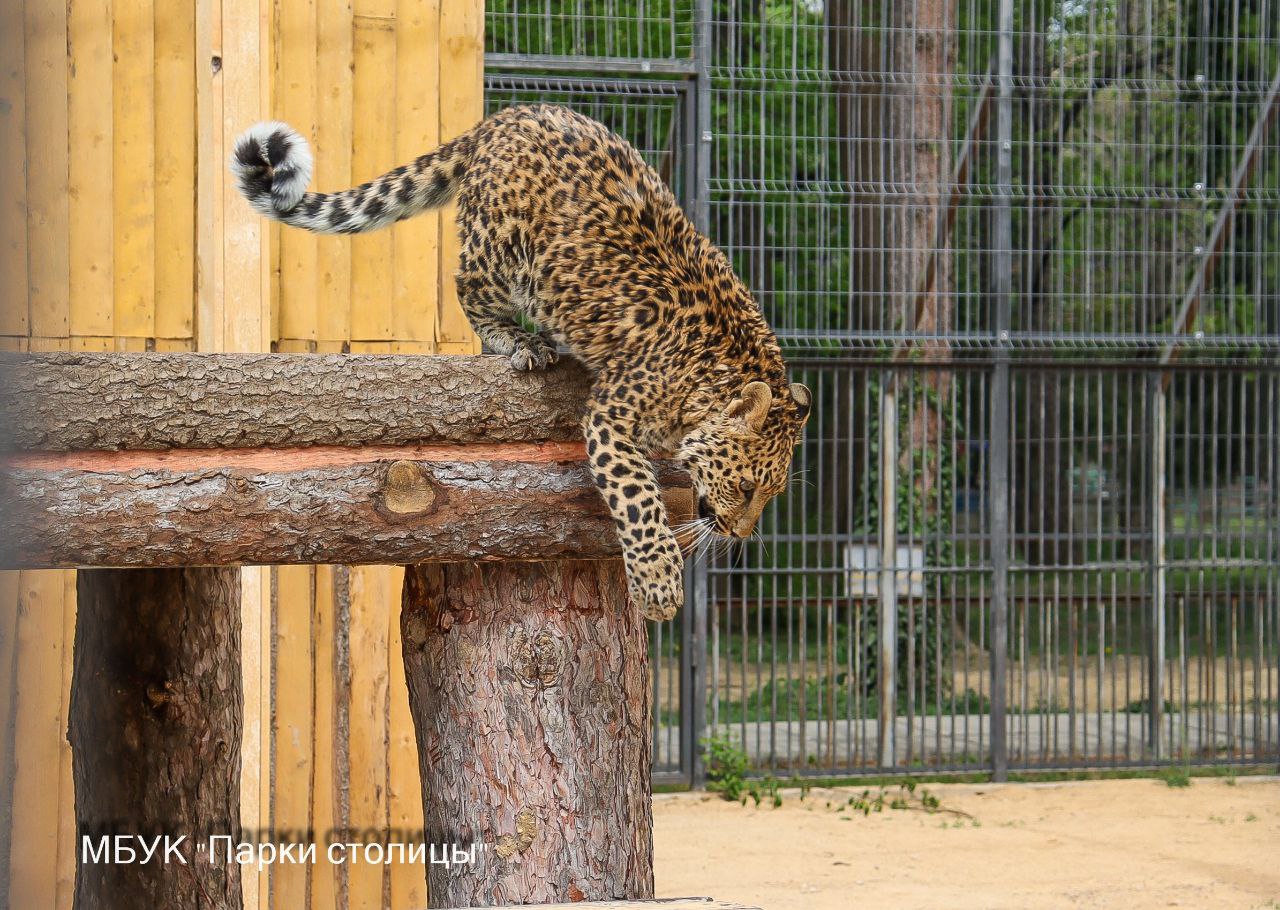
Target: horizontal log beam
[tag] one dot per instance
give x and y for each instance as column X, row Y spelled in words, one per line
column 372, row 505
column 131, row 460
column 69, row 401
column 662, row 903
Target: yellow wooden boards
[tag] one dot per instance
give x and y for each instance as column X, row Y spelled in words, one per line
column 133, row 169
column 91, row 120
column 120, row 231
column 363, row 81
column 40, row 847
column 173, row 51
column 13, row 183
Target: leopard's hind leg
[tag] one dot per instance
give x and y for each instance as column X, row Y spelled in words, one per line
column 489, row 309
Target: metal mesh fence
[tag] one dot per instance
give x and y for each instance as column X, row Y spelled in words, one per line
column 1027, row 256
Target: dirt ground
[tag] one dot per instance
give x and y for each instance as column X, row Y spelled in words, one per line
column 1132, row 844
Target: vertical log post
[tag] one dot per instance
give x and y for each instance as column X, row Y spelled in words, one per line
column 529, row 689
column 155, row 731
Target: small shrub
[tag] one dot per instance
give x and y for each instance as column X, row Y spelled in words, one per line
column 726, row 768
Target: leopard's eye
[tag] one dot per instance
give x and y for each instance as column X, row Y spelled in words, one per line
column 746, row 486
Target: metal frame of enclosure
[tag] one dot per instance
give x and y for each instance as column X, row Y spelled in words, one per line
column 1027, row 256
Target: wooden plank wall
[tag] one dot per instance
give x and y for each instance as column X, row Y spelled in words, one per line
column 120, row 231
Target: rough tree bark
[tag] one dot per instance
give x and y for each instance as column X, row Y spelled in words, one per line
column 529, row 688
column 346, row 506
column 217, row 459
column 893, row 102
column 155, row 730
column 58, row 402
column 925, row 51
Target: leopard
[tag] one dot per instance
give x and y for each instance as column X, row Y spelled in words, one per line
column 570, row 241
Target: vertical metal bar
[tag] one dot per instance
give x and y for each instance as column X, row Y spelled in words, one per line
column 693, row 677
column 1002, row 235
column 702, row 91
column 1155, row 655
column 689, row 182
column 695, row 641
column 887, row 633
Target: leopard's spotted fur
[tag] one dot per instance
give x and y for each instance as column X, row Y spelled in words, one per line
column 563, row 223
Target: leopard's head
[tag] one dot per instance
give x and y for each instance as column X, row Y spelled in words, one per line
column 740, row 458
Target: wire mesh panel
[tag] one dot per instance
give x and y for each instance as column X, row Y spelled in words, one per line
column 795, row 672
column 1220, row 683
column 854, row 176
column 651, row 31
column 1027, row 256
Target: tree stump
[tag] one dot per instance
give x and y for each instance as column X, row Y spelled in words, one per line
column 529, row 689
column 155, row 731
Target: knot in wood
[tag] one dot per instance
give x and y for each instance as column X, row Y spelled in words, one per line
column 526, row 830
column 407, row 490
column 538, row 659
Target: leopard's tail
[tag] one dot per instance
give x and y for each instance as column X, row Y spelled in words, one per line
column 272, row 166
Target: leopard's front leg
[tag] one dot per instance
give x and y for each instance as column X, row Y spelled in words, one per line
column 655, row 567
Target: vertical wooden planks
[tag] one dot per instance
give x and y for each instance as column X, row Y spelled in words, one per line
column 417, row 241
column 335, row 34
column 371, row 596
column 373, row 132
column 90, row 122
column 13, row 169
column 232, row 40
column 175, row 153
column 133, row 170
column 210, row 165
column 46, row 122
column 255, row 748
column 294, row 710
column 461, row 107
column 246, row 314
column 9, row 596
column 38, row 731
column 114, row 189
column 295, row 104
column 67, row 841
column 404, row 779
column 325, row 739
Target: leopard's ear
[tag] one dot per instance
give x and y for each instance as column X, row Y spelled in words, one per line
column 751, row 405
column 803, row 400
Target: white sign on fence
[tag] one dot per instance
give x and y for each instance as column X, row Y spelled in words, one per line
column 862, row 570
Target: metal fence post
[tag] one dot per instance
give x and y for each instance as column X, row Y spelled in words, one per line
column 694, row 651
column 1156, row 418
column 693, row 671
column 887, row 640
column 702, row 103
column 1000, row 397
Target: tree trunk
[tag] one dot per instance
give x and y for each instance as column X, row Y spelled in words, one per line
column 924, row 49
column 529, row 688
column 155, row 731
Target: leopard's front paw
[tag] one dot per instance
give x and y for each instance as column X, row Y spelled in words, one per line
column 535, row 352
column 658, row 591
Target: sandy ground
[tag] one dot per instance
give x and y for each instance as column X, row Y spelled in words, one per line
column 1133, row 844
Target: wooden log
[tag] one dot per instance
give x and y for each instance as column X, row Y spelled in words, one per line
column 154, row 727
column 669, row 903
column 62, row 402
column 371, row 505
column 529, row 689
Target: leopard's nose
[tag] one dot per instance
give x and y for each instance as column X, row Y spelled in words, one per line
column 704, row 508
